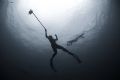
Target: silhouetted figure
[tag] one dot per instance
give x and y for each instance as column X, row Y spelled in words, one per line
column 55, row 46
column 82, row 35
column 75, row 39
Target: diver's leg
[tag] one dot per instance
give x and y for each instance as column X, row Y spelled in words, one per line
column 51, row 60
column 75, row 56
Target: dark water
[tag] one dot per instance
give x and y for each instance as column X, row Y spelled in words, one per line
column 100, row 55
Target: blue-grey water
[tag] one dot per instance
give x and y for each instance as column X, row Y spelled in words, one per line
column 25, row 52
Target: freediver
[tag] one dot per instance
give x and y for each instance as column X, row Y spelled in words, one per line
column 55, row 46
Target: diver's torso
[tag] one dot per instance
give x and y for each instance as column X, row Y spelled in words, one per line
column 52, row 42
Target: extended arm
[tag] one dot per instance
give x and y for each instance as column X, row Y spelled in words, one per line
column 46, row 33
column 56, row 37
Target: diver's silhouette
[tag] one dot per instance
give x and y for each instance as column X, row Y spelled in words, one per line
column 55, row 46
column 75, row 39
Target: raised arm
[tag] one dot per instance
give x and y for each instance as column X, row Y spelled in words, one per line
column 56, row 37
column 46, row 33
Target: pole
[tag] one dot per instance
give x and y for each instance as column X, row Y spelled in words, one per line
column 31, row 12
column 39, row 20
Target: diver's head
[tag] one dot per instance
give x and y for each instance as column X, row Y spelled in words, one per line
column 50, row 36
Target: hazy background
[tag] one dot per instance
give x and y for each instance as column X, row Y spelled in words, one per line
column 25, row 52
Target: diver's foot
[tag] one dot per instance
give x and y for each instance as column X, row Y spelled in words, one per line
column 79, row 61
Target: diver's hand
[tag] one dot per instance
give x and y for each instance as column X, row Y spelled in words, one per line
column 55, row 35
column 45, row 30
